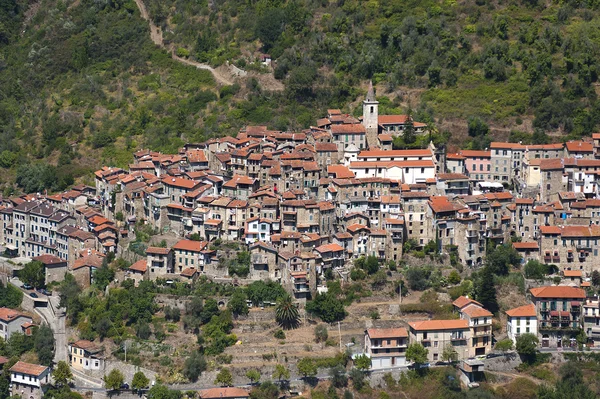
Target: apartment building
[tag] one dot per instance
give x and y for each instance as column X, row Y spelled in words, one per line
column 521, row 320
column 189, row 254
column 159, row 262
column 436, row 335
column 386, row 347
column 480, row 325
column 559, row 314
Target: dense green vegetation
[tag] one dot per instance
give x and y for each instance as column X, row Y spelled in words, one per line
column 82, row 84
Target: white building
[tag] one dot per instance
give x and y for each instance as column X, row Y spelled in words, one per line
column 12, row 321
column 521, row 320
column 408, row 172
column 27, row 379
column 386, row 347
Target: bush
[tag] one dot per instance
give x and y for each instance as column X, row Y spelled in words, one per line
column 279, row 334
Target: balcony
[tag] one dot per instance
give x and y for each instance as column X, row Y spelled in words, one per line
column 457, row 337
column 472, row 233
column 482, row 333
column 556, row 259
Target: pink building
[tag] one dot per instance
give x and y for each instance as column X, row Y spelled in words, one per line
column 478, row 164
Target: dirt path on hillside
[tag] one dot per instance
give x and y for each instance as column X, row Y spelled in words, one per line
column 222, row 74
column 157, row 37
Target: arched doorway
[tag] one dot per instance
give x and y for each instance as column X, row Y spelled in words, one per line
column 545, row 341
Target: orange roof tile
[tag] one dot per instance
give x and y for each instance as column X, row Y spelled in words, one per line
column 28, row 368
column 474, row 310
column 525, row 245
column 223, row 393
column 428, row 325
column 463, row 301
column 340, row 172
column 329, row 248
column 522, row 311
column 572, row 273
column 557, row 292
column 139, row 266
column 189, row 245
column 387, row 332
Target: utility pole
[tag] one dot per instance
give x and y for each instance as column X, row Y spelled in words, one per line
column 340, row 334
column 400, row 297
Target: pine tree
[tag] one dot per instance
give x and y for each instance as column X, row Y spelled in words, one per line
column 486, row 290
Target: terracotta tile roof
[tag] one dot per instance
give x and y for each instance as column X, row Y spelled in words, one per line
column 158, row 250
column 525, row 245
column 356, row 227
column 387, row 332
column 556, row 291
column 7, row 314
column 429, row 325
column 28, row 368
column 579, row 146
column 550, row 230
column 179, row 182
column 394, row 153
column 189, row 245
column 340, row 172
column 552, row 164
column 524, row 201
column 93, row 260
column 353, row 128
column 326, row 147
column 474, row 310
column 329, row 248
column 463, row 301
column 49, row 259
column 522, row 311
column 503, row 145
column 572, row 273
column 189, row 272
column 452, row 176
column 223, row 393
column 455, row 156
column 476, row 154
column 139, row 266
column 85, row 345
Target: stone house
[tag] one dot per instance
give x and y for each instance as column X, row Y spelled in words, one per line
column 436, row 335
column 55, row 267
column 159, row 262
column 85, row 355
column 12, row 321
column 559, row 314
column 27, row 380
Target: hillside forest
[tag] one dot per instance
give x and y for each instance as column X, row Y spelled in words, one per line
column 82, row 84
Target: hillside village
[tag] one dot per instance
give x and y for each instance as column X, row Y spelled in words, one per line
column 307, row 206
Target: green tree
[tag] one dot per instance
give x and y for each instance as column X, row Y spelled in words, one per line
column 253, row 375
column 338, row 376
column 501, row 258
column 321, row 333
column 416, row 353
column 596, row 278
column 362, row 362
column 103, row 276
column 114, row 380
column 237, row 303
column 62, row 374
column 504, row 345
column 33, row 274
column 486, row 290
column 286, row 313
column 194, row 365
column 449, row 354
column 142, row 330
column 454, row 277
column 327, row 307
column 281, row 373
column 371, row 264
column 358, row 379
column 140, row 381
column 477, row 127
column 417, row 278
column 534, row 270
column 160, row 391
column 44, row 345
column 307, row 367
column 224, row 378
column 10, row 296
column 527, row 346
